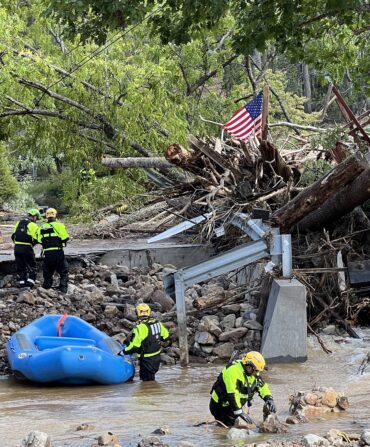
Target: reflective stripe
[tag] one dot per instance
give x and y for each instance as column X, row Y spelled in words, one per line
column 22, row 243
column 52, row 248
column 155, row 328
column 22, row 282
column 31, row 281
column 153, row 353
column 236, row 412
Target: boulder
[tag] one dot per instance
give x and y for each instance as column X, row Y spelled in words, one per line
column 330, row 398
column 315, row 441
column 310, row 398
column 164, row 430
column 224, row 351
column 238, row 433
column 343, row 403
column 234, row 334
column 26, row 297
column 365, row 437
column 228, row 322
column 164, row 300
column 204, row 338
column 108, row 439
column 36, row 439
column 253, row 324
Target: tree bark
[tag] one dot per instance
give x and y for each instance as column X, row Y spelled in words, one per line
column 343, row 202
column 312, row 197
column 137, row 162
column 270, row 155
column 307, row 88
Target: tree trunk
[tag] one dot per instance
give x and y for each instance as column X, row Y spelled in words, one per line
column 137, row 162
column 271, row 156
column 343, row 202
column 307, row 88
column 312, row 197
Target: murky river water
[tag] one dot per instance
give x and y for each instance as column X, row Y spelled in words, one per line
column 180, row 399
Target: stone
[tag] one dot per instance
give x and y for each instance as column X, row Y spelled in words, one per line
column 253, row 324
column 204, row 338
column 310, row 398
column 129, row 312
column 230, row 309
column 95, row 297
column 36, row 439
column 365, row 437
column 108, row 439
column 329, row 330
column 224, row 351
column 228, row 322
column 237, row 433
column 272, row 425
column 26, row 297
column 234, row 334
column 241, row 423
column 150, row 441
column 333, row 435
column 292, row 420
column 145, row 292
column 343, row 403
column 310, row 410
column 330, row 398
column 111, row 311
column 315, row 441
column 164, row 300
column 165, row 430
column 85, row 427
column 207, row 349
column 167, row 360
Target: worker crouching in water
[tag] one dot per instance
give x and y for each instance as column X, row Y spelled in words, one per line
column 25, row 237
column 146, row 340
column 53, row 237
column 235, row 387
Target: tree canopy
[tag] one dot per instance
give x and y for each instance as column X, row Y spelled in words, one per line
column 330, row 34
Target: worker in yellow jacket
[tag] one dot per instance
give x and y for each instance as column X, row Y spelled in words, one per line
column 146, row 340
column 236, row 386
column 25, row 237
column 53, row 236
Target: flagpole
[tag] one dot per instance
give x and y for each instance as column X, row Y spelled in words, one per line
column 265, row 112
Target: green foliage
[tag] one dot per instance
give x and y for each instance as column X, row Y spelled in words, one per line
column 328, row 34
column 314, row 170
column 8, row 184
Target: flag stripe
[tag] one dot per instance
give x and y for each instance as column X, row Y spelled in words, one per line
column 247, row 120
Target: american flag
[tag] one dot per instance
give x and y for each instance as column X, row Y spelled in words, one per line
column 246, row 120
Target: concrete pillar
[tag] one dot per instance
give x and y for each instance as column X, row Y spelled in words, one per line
column 284, row 336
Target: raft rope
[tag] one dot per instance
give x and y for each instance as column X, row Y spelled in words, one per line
column 61, row 321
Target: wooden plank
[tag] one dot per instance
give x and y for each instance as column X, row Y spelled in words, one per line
column 214, row 156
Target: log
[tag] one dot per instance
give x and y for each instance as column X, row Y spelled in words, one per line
column 312, row 197
column 207, row 301
column 347, row 199
column 270, row 155
column 137, row 162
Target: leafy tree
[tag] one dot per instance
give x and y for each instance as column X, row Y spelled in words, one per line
column 8, row 184
column 328, row 34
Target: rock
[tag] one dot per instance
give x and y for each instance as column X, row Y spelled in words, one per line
column 165, row 430
column 343, row 403
column 315, row 441
column 26, row 297
column 167, row 360
column 240, row 423
column 310, row 410
column 333, row 435
column 292, row 420
column 114, row 280
column 330, row 398
column 36, row 439
column 236, row 433
column 230, row 309
column 234, row 334
column 253, row 324
column 224, row 351
column 151, row 441
column 145, row 292
column 164, row 300
column 85, row 427
column 129, row 312
column 205, row 338
column 89, row 317
column 365, row 437
column 111, row 311
column 272, row 425
column 228, row 322
column 108, row 439
column 310, row 398
column 95, row 297
column 329, row 330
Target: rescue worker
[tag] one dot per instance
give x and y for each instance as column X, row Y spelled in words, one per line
column 235, row 387
column 25, row 237
column 53, row 237
column 146, row 340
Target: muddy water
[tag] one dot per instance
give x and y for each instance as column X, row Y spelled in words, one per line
column 180, row 399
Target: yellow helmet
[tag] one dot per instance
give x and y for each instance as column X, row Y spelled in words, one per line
column 143, row 310
column 255, row 359
column 51, row 212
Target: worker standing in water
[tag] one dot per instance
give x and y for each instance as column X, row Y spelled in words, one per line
column 236, row 386
column 146, row 340
column 53, row 237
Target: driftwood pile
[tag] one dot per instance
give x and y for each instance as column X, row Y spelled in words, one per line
column 326, row 218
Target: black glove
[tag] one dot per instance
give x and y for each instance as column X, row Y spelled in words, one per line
column 244, row 416
column 269, row 406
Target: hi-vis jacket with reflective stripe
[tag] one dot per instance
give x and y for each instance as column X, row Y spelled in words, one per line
column 147, row 337
column 25, row 232
column 235, row 388
column 53, row 235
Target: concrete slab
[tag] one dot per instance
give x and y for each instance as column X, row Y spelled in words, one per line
column 284, row 336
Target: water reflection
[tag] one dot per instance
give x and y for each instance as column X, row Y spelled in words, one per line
column 180, row 400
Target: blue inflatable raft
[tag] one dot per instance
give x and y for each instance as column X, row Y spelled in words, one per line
column 66, row 349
